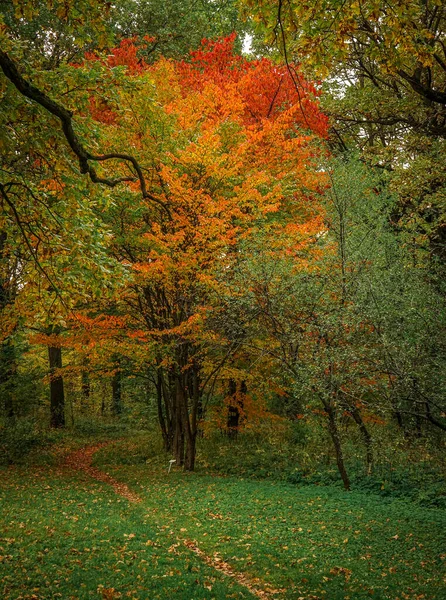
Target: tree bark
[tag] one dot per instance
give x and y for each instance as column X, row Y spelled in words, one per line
column 57, row 396
column 365, row 436
column 178, row 440
column 7, row 369
column 85, row 384
column 432, row 419
column 7, row 349
column 334, row 433
column 116, row 394
column 191, row 451
column 190, row 421
column 233, row 417
column 161, row 419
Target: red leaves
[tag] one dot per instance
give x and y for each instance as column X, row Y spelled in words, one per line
column 215, row 60
column 81, row 460
column 267, row 89
column 125, row 55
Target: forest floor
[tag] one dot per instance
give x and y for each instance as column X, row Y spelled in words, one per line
column 95, row 527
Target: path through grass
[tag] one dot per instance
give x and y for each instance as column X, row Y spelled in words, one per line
column 68, row 536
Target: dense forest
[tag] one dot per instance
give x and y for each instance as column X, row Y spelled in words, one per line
column 222, row 250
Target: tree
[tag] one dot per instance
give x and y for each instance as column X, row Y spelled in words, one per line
column 175, row 27
column 57, row 395
column 384, row 66
column 343, row 322
column 222, row 155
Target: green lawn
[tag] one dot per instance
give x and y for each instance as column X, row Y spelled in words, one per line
column 66, row 536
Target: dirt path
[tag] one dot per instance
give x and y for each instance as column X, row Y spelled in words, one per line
column 81, row 460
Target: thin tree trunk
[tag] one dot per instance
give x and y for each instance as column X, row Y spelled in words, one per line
column 366, row 437
column 85, row 385
column 7, row 349
column 57, row 396
column 117, row 390
column 198, row 415
column 69, row 399
column 334, row 433
column 399, row 418
column 7, row 369
column 432, row 419
column 190, row 437
column 233, row 416
column 191, row 451
column 190, row 421
column 169, row 410
column 161, row 419
column 178, row 441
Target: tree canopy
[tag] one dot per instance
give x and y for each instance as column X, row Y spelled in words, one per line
column 237, row 239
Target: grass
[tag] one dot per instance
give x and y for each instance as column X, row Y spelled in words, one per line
column 302, row 455
column 316, row 542
column 71, row 538
column 67, row 536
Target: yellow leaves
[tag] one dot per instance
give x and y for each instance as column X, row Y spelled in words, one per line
column 25, row 9
column 108, row 593
column 341, row 571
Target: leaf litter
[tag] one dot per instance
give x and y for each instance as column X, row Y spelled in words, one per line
column 81, row 460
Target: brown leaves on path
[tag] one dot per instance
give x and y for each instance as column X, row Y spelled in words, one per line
column 81, row 460
column 217, row 563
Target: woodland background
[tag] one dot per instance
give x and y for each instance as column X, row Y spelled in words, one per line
column 240, row 255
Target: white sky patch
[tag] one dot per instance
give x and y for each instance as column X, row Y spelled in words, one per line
column 247, row 43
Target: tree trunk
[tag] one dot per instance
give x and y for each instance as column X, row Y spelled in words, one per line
column 85, row 385
column 198, row 409
column 178, row 440
column 7, row 369
column 57, row 396
column 190, row 419
column 334, row 433
column 117, row 391
column 366, row 437
column 7, row 349
column 161, row 419
column 432, row 419
column 191, row 451
column 399, row 418
column 233, row 417
column 168, row 389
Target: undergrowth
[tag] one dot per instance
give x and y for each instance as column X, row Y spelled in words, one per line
column 299, row 453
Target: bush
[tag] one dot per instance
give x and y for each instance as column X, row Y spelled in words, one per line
column 20, row 438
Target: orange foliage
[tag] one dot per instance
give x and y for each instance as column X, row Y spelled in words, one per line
column 226, row 143
column 268, row 89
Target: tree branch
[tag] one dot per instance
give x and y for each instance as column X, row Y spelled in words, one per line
column 65, row 116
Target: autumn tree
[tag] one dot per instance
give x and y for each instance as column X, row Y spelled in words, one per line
column 384, row 67
column 223, row 155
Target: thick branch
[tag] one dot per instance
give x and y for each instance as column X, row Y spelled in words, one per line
column 84, row 156
column 32, row 251
column 429, row 93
